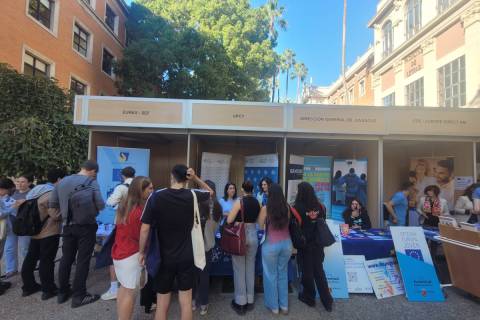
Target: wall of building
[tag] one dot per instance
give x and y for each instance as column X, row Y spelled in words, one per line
column 19, row 32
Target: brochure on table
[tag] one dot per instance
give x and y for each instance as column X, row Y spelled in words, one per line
column 418, row 273
column 357, row 277
column 334, row 264
column 111, row 161
column 384, row 277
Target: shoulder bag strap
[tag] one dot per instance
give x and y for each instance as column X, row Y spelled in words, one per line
column 296, row 214
column 196, row 215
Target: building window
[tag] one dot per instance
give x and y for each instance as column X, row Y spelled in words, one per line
column 362, row 87
column 350, row 96
column 387, row 34
column 451, row 84
column 110, row 18
column 414, row 93
column 42, row 11
column 80, row 40
column 443, row 5
column 107, row 62
column 78, row 87
column 34, row 66
column 414, row 17
column 389, row 101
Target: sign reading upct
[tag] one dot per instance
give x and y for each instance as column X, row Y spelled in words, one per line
column 237, row 116
column 338, row 120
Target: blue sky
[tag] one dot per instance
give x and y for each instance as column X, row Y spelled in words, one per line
column 314, row 33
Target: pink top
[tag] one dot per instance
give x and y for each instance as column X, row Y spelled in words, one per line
column 277, row 235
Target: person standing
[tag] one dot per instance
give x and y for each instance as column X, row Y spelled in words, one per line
column 210, row 215
column 119, row 193
column 44, row 245
column 312, row 255
column 6, row 188
column 464, row 205
column 244, row 266
column 16, row 247
column 264, row 185
column 397, row 207
column 229, row 198
column 126, row 246
column 431, row 206
column 79, row 200
column 170, row 211
column 276, row 250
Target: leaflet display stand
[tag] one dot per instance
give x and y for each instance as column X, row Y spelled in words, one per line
column 462, row 250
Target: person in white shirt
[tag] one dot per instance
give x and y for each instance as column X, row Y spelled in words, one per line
column 120, row 192
column 464, row 205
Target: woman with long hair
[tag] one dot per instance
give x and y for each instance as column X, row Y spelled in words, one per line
column 229, row 197
column 357, row 216
column 432, row 206
column 244, row 266
column 311, row 257
column 126, row 246
column 276, row 250
column 264, row 186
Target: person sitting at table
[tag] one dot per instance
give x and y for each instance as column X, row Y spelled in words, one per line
column 244, row 266
column 464, row 204
column 310, row 258
column 357, row 216
column 229, row 197
column 431, row 206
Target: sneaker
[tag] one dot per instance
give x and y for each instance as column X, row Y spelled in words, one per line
column 36, row 288
column 250, row 306
column 5, row 285
column 203, row 310
column 87, row 299
column 48, row 295
column 284, row 311
column 239, row 309
column 274, row 311
column 109, row 295
column 63, row 297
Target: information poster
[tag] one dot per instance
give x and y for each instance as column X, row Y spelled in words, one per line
column 418, row 273
column 357, row 277
column 111, row 161
column 260, row 166
column 294, row 176
column 334, row 264
column 384, row 277
column 216, row 167
column 317, row 172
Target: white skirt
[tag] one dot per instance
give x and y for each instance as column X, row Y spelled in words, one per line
column 128, row 271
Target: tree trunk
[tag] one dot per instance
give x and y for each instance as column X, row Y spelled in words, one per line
column 273, row 84
column 298, row 89
column 286, row 86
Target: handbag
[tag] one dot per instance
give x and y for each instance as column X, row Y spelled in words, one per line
column 324, row 236
column 233, row 236
column 153, row 257
column 295, row 229
column 198, row 244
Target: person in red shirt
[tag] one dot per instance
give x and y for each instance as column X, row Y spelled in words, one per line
column 126, row 246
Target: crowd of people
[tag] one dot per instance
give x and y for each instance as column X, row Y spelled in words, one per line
column 67, row 207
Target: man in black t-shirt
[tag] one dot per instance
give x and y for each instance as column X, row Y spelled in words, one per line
column 170, row 212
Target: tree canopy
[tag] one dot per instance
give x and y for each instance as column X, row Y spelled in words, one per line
column 36, row 131
column 197, row 49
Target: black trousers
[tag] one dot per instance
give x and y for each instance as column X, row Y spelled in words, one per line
column 202, row 282
column 44, row 250
column 78, row 242
column 311, row 265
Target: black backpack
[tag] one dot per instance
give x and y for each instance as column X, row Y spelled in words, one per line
column 299, row 241
column 28, row 222
column 82, row 209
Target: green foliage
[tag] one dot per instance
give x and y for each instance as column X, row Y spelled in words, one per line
column 197, row 49
column 36, row 131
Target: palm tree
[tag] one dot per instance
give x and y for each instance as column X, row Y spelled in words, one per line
column 275, row 17
column 288, row 60
column 300, row 72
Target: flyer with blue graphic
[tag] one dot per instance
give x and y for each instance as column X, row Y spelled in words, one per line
column 416, row 265
column 384, row 277
column 111, row 161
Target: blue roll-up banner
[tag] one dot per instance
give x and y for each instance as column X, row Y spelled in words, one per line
column 334, row 264
column 111, row 161
column 418, row 273
column 260, row 166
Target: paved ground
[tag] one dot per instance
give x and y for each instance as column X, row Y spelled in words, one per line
column 457, row 306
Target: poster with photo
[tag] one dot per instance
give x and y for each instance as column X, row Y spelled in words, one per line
column 349, row 182
column 439, row 171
